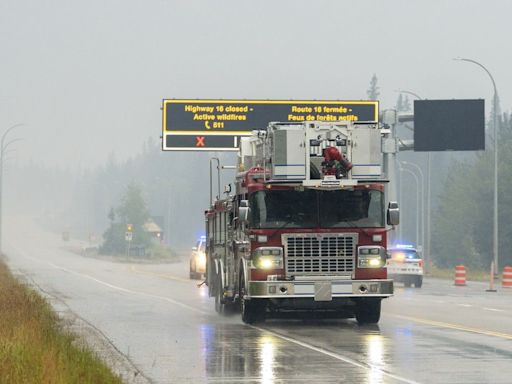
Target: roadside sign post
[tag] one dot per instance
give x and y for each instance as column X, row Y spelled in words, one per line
column 128, row 236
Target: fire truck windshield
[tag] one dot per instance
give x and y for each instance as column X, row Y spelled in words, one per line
column 280, row 208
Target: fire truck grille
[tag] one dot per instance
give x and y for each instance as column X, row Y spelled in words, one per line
column 329, row 254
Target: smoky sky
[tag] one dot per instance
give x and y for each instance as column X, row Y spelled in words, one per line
column 88, row 77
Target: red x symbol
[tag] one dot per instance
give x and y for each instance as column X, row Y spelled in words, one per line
column 199, row 141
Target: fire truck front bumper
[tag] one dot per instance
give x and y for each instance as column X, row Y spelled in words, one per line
column 320, row 290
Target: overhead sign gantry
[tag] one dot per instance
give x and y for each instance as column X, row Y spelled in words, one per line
column 216, row 125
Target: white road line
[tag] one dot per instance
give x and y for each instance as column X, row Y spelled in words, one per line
column 337, row 356
column 465, row 305
column 493, row 309
column 112, row 286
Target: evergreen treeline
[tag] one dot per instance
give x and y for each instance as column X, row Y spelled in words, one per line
column 462, row 225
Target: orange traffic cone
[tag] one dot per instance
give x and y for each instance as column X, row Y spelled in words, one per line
column 506, row 281
column 460, row 275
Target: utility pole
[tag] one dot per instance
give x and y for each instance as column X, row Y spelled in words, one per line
column 427, row 237
column 422, row 189
column 495, row 129
column 389, row 150
column 216, row 159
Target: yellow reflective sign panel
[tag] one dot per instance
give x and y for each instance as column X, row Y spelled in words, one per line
column 197, row 121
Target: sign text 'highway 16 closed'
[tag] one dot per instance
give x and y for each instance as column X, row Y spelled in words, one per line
column 216, row 125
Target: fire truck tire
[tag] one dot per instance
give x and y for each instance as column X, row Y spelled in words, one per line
column 253, row 311
column 368, row 311
column 219, row 299
column 419, row 282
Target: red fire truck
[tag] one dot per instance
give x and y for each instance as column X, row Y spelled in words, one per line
column 305, row 229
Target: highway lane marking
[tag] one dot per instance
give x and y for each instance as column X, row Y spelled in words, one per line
column 493, row 309
column 168, row 299
column 112, row 286
column 162, row 275
column 464, row 305
column 455, row 326
column 348, row 360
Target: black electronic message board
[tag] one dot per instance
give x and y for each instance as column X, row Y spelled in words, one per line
column 195, row 119
column 444, row 125
column 202, row 142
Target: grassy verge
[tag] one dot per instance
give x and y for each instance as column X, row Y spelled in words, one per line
column 155, row 253
column 447, row 273
column 33, row 346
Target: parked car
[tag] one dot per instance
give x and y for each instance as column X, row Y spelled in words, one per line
column 405, row 265
column 198, row 259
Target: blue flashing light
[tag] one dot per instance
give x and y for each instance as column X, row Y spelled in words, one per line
column 404, row 246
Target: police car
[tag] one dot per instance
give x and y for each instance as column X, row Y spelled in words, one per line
column 405, row 265
column 198, row 259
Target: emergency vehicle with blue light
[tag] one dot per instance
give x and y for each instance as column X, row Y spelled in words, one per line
column 405, row 265
column 198, row 259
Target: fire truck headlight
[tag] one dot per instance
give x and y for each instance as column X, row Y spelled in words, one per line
column 371, row 257
column 268, row 258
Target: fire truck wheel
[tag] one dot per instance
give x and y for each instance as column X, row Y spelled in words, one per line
column 368, row 311
column 419, row 282
column 219, row 304
column 253, row 311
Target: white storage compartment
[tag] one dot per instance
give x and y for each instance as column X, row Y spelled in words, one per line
column 366, row 153
column 288, row 153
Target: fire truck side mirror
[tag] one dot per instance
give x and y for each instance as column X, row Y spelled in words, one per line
column 393, row 214
column 243, row 211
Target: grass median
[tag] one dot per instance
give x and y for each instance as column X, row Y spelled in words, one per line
column 449, row 274
column 34, row 348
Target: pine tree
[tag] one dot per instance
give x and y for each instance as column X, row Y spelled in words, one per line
column 406, row 105
column 373, row 92
column 403, row 103
column 132, row 210
column 399, row 103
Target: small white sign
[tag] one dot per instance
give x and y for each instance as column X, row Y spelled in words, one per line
column 128, row 236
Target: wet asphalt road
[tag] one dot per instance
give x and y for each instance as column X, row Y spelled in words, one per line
column 169, row 329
